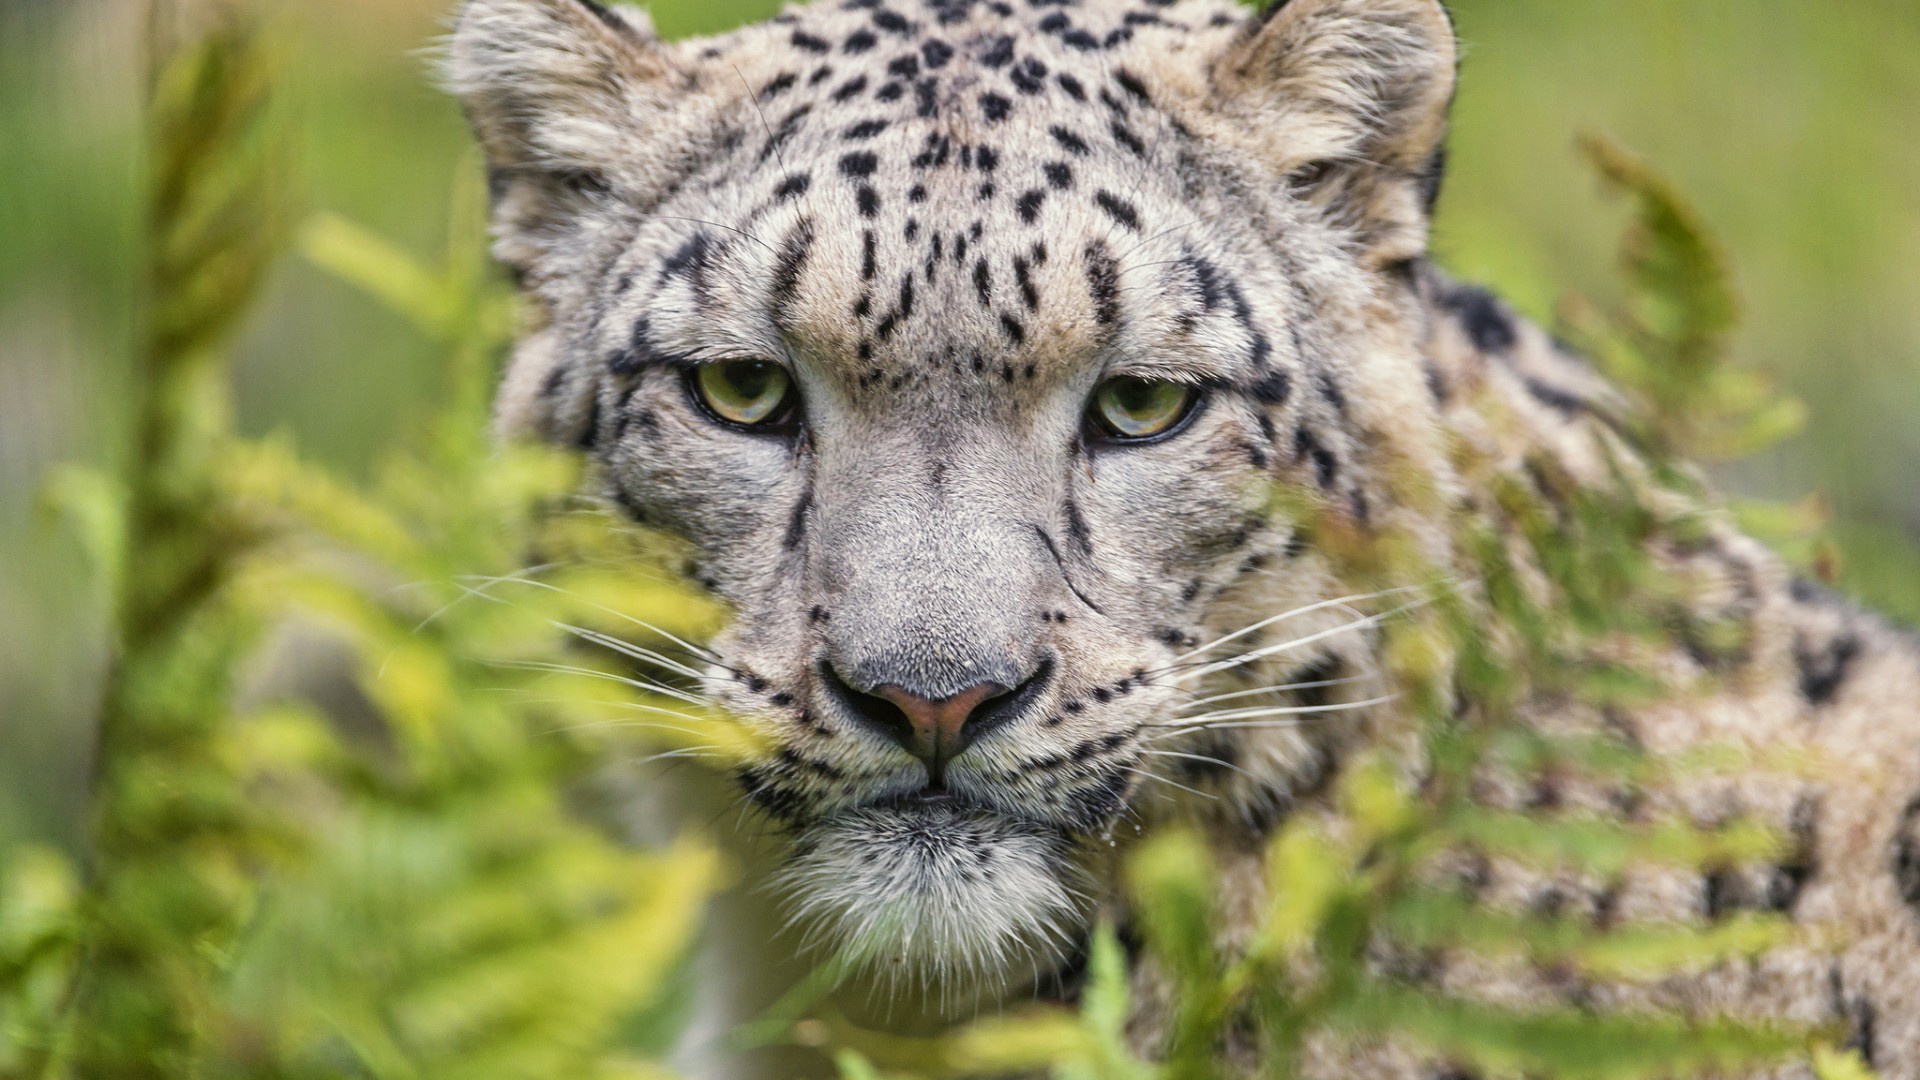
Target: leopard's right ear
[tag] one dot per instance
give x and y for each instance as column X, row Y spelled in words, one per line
column 573, row 101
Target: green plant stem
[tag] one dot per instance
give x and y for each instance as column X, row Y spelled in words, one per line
column 171, row 831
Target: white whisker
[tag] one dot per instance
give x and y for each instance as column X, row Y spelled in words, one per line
column 1201, row 757
column 1276, row 710
column 697, row 650
column 1173, row 783
column 1280, row 688
column 1297, row 643
column 1283, row 616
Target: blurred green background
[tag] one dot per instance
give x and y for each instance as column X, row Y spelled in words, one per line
column 1791, row 125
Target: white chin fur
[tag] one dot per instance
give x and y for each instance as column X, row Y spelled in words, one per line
column 934, row 895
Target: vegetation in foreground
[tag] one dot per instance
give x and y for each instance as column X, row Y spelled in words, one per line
column 412, row 882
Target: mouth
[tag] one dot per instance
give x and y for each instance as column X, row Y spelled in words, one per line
column 933, row 796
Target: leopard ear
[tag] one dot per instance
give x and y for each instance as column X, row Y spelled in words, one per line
column 1347, row 99
column 571, row 101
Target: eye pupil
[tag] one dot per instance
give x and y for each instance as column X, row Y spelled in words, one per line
column 1131, row 409
column 749, row 393
column 747, row 380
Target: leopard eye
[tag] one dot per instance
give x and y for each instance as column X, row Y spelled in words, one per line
column 749, row 393
column 1128, row 409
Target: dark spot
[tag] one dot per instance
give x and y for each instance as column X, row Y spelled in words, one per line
column 1120, row 210
column 1072, row 143
column 936, row 53
column 1330, row 392
column 934, row 153
column 1861, row 1016
column 1906, row 855
column 1789, row 879
column 1014, row 330
column 1432, row 174
column 850, row 88
column 1023, row 274
column 892, row 91
column 792, row 187
column 819, row 615
column 1272, row 389
column 865, row 129
column 986, row 159
column 1565, row 402
column 1436, row 382
column 891, row 22
column 1824, row 669
column 860, row 41
column 869, row 253
column 803, row 40
column 1029, row 76
column 905, row 307
column 1059, row 174
column 983, row 281
column 1103, row 283
column 906, row 67
column 1077, row 528
column 995, row 107
column 917, row 193
column 1072, row 86
column 600, row 11
column 778, row 85
column 1124, row 135
column 869, row 201
column 926, row 98
column 627, row 361
column 793, row 259
column 690, row 259
column 1132, row 85
column 1000, row 53
column 1718, row 896
column 784, row 132
column 1081, row 40
column 859, row 166
column 1028, row 204
column 1325, row 466
column 1482, row 316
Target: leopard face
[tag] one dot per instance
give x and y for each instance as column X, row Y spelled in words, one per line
column 965, row 344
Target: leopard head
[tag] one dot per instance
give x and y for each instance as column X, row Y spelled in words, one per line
column 965, row 343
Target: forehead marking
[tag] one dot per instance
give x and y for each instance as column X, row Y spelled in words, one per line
column 1117, row 208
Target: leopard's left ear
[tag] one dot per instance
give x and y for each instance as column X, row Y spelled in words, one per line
column 1347, row 100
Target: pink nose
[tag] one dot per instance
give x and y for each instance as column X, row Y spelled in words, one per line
column 936, row 731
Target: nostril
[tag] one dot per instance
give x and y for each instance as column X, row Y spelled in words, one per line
column 875, row 713
column 998, row 711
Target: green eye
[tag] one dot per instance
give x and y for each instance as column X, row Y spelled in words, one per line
column 1130, row 408
column 745, row 392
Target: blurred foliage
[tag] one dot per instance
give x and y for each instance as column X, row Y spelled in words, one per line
column 1785, row 121
column 275, row 893
column 407, row 886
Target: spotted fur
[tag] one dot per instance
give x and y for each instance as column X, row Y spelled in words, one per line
column 952, row 220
